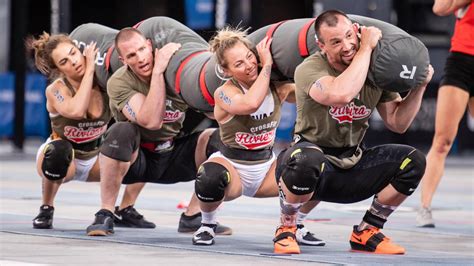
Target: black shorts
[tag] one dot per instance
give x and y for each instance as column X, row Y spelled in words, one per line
column 376, row 169
column 176, row 165
column 459, row 72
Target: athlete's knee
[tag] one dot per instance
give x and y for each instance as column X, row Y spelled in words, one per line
column 58, row 155
column 442, row 144
column 302, row 169
column 411, row 170
column 211, row 181
column 121, row 140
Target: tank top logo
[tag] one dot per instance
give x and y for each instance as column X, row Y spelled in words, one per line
column 350, row 112
column 81, row 135
column 255, row 141
column 172, row 116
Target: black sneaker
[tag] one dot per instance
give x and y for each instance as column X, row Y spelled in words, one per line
column 44, row 220
column 305, row 237
column 205, row 235
column 130, row 217
column 190, row 224
column 102, row 225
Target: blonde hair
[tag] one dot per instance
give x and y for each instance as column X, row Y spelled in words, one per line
column 43, row 47
column 225, row 39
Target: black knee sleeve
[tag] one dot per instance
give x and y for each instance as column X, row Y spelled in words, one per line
column 121, row 140
column 411, row 170
column 58, row 155
column 211, row 181
column 302, row 169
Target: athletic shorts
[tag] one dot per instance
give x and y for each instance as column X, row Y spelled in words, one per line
column 375, row 170
column 459, row 72
column 251, row 176
column 83, row 167
column 173, row 166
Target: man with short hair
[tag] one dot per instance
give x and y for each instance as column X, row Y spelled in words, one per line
column 327, row 161
column 143, row 145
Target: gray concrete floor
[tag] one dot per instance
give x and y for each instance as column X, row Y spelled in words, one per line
column 253, row 222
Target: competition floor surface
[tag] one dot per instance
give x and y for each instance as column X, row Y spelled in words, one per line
column 252, row 220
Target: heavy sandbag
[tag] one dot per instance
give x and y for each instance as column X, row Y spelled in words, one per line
column 293, row 41
column 399, row 62
column 105, row 37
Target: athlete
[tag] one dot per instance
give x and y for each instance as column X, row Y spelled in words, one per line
column 143, row 145
column 248, row 111
column 79, row 114
column 454, row 95
column 327, row 161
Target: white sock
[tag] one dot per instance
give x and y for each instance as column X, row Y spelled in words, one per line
column 209, row 217
column 300, row 217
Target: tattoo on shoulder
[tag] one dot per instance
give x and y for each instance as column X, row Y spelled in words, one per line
column 267, row 71
column 58, row 96
column 224, row 98
column 318, row 85
column 130, row 111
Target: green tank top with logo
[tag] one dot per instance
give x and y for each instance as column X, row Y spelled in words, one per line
column 86, row 134
column 331, row 126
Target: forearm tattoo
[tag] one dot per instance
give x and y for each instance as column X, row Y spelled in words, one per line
column 58, row 96
column 267, row 71
column 318, row 85
column 130, row 111
column 224, row 98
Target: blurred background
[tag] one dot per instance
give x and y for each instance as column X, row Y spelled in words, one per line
column 23, row 116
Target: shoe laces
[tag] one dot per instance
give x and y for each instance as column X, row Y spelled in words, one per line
column 205, row 229
column 375, row 231
column 130, row 210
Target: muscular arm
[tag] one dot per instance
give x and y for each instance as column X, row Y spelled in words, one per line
column 148, row 111
column 339, row 91
column 74, row 107
column 231, row 100
column 447, row 7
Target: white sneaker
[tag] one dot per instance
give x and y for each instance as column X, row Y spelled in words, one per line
column 305, row 237
column 424, row 218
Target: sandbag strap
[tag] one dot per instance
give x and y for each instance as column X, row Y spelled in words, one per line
column 202, row 85
column 180, row 69
column 302, row 38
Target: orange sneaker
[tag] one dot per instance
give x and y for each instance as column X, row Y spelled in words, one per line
column 372, row 240
column 285, row 240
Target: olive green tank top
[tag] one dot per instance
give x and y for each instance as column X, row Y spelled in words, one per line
column 86, row 134
column 255, row 131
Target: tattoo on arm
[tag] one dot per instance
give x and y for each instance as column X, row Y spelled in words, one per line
column 267, row 71
column 58, row 96
column 130, row 111
column 224, row 98
column 318, row 85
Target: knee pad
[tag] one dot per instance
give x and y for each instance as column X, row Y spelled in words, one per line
column 302, row 169
column 58, row 155
column 121, row 140
column 211, row 181
column 411, row 170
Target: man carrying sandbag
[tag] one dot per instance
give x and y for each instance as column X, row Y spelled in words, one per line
column 327, row 162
